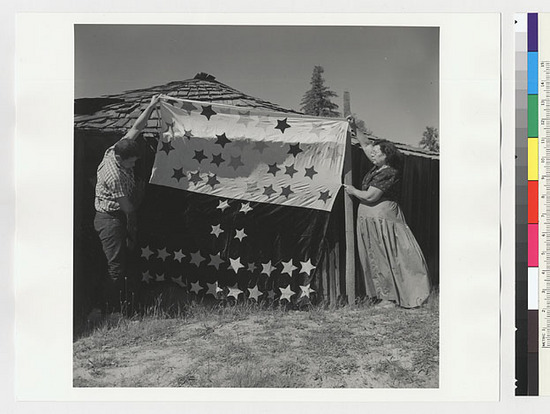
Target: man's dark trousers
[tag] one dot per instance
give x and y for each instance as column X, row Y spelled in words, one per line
column 112, row 230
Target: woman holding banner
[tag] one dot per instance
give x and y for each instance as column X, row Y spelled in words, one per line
column 393, row 265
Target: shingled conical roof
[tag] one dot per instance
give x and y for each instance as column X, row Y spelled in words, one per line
column 117, row 113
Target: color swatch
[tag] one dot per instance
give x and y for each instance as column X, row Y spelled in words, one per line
column 527, row 202
column 532, row 36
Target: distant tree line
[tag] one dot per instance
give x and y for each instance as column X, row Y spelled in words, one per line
column 317, row 102
column 430, row 139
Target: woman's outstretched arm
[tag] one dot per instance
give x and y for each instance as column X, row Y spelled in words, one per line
column 370, row 195
column 366, row 144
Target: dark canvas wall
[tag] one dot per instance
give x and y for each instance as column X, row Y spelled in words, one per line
column 420, row 204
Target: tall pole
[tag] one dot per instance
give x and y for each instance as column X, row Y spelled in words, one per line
column 347, row 104
column 348, row 213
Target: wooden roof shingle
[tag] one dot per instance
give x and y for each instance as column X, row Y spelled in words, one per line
column 116, row 113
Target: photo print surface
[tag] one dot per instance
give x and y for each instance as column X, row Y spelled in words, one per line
column 256, row 206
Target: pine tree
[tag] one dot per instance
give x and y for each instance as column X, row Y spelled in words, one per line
column 316, row 101
column 430, row 139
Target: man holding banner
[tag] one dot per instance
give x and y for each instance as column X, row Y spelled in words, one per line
column 116, row 199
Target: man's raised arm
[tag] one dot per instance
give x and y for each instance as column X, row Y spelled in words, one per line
column 141, row 122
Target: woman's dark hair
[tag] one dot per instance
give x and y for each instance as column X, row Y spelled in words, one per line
column 394, row 157
column 127, row 148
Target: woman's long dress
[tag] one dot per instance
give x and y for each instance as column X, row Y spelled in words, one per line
column 393, row 265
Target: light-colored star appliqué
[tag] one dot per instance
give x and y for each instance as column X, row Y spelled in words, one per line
column 216, row 230
column 251, row 267
column 146, row 277
column 286, row 293
column 236, row 264
column 241, row 115
column 159, row 278
column 254, row 293
column 215, row 261
column 267, row 268
column 146, row 252
column 178, row 255
column 163, row 254
column 316, row 129
column 240, row 234
column 196, row 287
column 223, row 205
column 179, row 281
column 245, row 208
column 306, row 290
column 196, row 258
column 244, row 118
column 234, row 291
column 307, row 267
column 288, row 267
column 212, row 289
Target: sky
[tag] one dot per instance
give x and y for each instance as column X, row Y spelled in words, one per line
column 392, row 73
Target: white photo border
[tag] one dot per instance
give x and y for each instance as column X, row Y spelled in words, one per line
column 469, row 230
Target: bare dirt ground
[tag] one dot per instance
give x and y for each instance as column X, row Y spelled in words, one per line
column 244, row 346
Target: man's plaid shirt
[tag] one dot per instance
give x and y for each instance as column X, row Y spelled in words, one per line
column 113, row 181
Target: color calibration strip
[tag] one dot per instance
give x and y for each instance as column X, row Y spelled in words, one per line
column 522, row 383
column 532, row 37
column 527, row 200
column 532, row 203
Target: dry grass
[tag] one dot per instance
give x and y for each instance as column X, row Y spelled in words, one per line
column 246, row 345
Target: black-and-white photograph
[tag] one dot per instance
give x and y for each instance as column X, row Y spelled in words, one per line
column 256, row 206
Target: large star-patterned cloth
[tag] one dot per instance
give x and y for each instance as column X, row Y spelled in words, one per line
column 239, row 204
column 250, row 155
